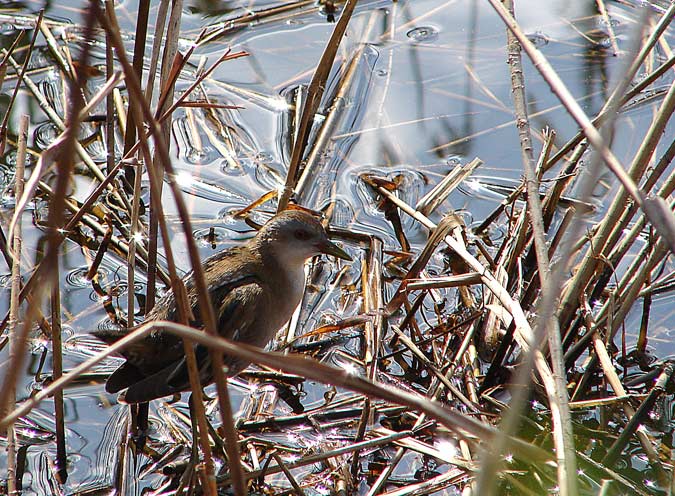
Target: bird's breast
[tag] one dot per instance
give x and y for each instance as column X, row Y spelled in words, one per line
column 285, row 298
column 293, row 296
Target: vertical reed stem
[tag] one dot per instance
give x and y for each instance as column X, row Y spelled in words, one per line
column 14, row 347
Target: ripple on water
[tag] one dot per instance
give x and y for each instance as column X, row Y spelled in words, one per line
column 32, row 433
column 423, row 34
column 211, row 236
column 7, row 178
column 207, row 189
column 50, row 85
column 603, row 41
column 231, row 166
column 246, row 163
column 608, row 22
column 7, row 29
column 196, row 146
column 118, row 289
column 110, row 269
column 228, row 216
column 5, row 281
column 77, row 278
column 44, row 135
column 343, row 212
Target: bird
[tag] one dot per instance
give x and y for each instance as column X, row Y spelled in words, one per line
column 254, row 290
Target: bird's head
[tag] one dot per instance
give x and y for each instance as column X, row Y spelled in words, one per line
column 294, row 236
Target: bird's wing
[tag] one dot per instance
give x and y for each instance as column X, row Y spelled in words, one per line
column 160, row 349
column 237, row 310
column 236, row 315
column 225, row 272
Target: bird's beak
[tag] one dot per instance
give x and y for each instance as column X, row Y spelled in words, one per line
column 332, row 249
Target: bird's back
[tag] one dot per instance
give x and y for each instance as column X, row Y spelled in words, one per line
column 161, row 349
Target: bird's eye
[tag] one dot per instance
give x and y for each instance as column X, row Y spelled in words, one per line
column 302, row 235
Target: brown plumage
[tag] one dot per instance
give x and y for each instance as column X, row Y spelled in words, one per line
column 254, row 290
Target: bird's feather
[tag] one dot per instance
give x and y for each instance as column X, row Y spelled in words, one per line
column 126, row 374
column 254, row 290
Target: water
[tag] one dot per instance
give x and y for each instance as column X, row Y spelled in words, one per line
column 430, row 90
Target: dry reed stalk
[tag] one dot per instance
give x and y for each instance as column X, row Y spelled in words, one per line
column 296, row 487
column 439, row 193
column 314, row 94
column 553, row 195
column 621, row 250
column 335, row 108
column 3, row 71
column 122, row 467
column 206, row 310
column 573, row 108
column 372, row 336
column 167, row 85
column 140, row 39
column 64, row 168
column 372, row 303
column 62, row 60
column 14, row 308
column 562, row 422
column 57, row 371
column 311, row 369
column 110, row 108
column 631, row 284
column 509, row 200
column 136, row 238
column 610, row 27
column 170, row 49
column 143, row 114
column 160, row 24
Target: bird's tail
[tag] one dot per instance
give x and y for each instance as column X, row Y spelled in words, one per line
column 154, row 386
column 110, row 336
